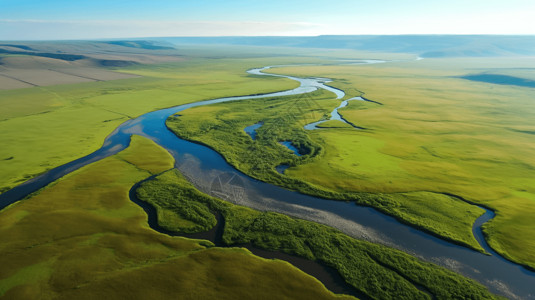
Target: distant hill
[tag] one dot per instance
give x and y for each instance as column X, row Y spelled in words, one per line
column 44, row 63
column 422, row 45
column 141, row 44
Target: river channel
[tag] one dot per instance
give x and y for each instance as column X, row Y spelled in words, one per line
column 210, row 173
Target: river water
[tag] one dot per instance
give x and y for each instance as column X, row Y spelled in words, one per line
column 210, row 173
column 335, row 115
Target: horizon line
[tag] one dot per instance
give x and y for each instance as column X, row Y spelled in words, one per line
column 276, row 36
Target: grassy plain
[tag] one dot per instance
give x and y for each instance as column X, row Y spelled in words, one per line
column 82, row 238
column 221, row 127
column 377, row 271
column 44, row 127
column 435, row 134
column 439, row 133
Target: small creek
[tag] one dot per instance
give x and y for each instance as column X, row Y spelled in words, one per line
column 335, row 115
column 203, row 166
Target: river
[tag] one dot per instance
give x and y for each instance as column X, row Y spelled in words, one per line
column 203, row 166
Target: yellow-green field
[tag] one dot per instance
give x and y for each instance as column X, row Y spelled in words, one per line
column 82, row 238
column 439, row 133
column 436, row 135
column 44, row 127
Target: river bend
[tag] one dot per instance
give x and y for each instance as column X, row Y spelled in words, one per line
column 202, row 166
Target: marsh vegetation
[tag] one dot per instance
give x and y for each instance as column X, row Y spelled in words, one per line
column 376, row 271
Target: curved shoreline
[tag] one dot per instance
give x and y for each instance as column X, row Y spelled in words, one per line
column 345, row 213
column 482, row 237
column 327, row 275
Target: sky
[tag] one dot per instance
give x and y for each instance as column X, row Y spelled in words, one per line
column 96, row 19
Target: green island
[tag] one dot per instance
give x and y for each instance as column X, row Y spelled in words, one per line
column 283, row 120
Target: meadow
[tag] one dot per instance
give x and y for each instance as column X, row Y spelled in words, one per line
column 82, row 238
column 44, row 127
column 440, row 133
column 437, row 144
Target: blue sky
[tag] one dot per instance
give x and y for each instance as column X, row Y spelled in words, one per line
column 61, row 19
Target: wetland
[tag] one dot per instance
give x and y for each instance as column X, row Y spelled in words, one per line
column 236, row 181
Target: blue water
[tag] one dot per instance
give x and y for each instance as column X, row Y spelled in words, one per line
column 291, row 146
column 501, row 79
column 251, row 130
column 281, row 168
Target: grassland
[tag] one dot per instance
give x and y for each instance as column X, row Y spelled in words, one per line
column 437, row 132
column 64, row 122
column 82, row 238
column 221, row 127
column 43, row 127
column 377, row 271
column 473, row 140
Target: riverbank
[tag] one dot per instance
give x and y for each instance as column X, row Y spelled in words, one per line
column 365, row 266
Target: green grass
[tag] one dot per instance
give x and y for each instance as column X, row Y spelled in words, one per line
column 221, row 127
column 377, row 271
column 44, row 127
column 82, row 238
column 436, row 133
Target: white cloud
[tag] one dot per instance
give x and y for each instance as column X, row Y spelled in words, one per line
column 94, row 29
column 504, row 22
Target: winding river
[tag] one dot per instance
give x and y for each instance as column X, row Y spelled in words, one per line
column 335, row 115
column 210, row 173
